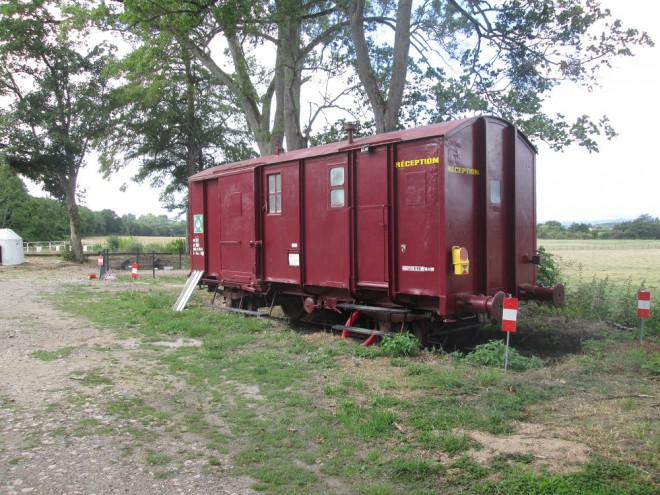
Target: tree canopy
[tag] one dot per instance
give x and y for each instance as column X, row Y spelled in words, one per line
column 171, row 117
column 643, row 227
column 45, row 219
column 395, row 63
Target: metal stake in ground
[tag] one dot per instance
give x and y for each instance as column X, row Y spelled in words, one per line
column 509, row 318
column 643, row 308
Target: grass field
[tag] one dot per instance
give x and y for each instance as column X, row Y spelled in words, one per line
column 618, row 260
column 308, row 413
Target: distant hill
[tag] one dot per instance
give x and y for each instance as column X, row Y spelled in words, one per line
column 598, row 223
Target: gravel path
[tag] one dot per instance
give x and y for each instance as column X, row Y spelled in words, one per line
column 59, row 432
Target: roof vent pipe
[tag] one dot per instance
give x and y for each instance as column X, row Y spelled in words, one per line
column 350, row 127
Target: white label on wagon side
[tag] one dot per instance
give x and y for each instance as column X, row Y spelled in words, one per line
column 412, row 268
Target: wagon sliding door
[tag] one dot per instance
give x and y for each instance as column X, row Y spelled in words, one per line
column 237, row 228
column 281, row 223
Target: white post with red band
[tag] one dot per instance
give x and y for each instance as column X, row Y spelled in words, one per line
column 643, row 308
column 509, row 319
column 509, row 314
column 134, row 271
column 99, row 263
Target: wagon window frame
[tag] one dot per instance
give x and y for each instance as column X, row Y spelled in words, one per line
column 274, row 203
column 337, row 186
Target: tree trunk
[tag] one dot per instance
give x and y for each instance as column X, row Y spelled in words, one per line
column 284, row 89
column 290, row 59
column 191, row 140
column 386, row 110
column 69, row 187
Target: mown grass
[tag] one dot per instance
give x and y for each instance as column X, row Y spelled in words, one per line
column 603, row 277
column 635, row 262
column 318, row 414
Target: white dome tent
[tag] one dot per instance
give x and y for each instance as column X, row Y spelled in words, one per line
column 11, row 248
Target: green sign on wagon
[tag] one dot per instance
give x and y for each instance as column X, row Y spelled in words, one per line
column 198, row 224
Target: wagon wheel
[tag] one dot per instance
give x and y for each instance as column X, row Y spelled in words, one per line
column 293, row 309
column 460, row 339
column 420, row 329
column 248, row 303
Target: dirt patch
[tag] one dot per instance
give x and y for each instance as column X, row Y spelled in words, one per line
column 550, row 447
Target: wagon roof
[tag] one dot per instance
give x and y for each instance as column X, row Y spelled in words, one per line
column 434, row 130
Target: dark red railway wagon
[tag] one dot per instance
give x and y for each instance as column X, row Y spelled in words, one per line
column 430, row 227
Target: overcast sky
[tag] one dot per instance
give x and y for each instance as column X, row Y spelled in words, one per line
column 622, row 181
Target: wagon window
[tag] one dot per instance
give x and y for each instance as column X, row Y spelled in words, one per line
column 275, row 193
column 337, row 194
column 496, row 192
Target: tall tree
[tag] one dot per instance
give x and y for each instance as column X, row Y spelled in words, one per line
column 56, row 87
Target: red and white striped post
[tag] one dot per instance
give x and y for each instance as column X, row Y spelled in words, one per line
column 134, row 271
column 509, row 319
column 643, row 308
column 99, row 263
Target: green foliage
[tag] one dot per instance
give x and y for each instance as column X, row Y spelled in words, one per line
column 643, row 227
column 175, row 246
column 553, row 229
column 607, row 355
column 157, row 459
column 13, row 197
column 92, row 378
column 603, row 299
column 131, row 245
column 61, row 353
column 113, row 243
column 406, row 470
column 455, row 443
column 547, row 273
column 67, row 254
column 168, row 113
column 365, row 421
column 652, row 365
column 150, row 225
column 600, row 477
column 493, row 354
column 401, row 344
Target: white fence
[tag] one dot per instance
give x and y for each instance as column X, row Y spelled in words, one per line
column 51, row 247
